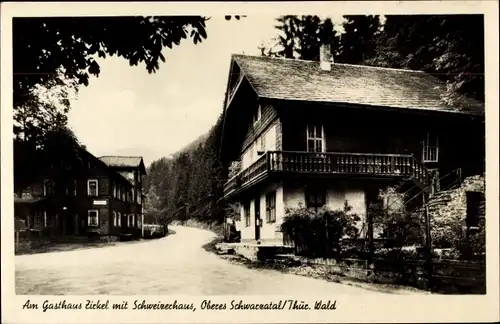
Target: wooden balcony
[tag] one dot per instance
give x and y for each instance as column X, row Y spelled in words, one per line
column 330, row 163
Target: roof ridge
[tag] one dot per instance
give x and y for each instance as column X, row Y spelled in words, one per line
column 127, row 156
column 334, row 63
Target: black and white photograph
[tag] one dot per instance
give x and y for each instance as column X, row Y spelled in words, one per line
column 239, row 153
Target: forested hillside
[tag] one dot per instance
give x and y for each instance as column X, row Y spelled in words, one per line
column 189, row 184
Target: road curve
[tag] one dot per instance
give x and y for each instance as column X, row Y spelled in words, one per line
column 173, row 265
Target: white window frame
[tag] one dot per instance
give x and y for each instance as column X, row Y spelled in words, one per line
column 130, row 220
column 44, row 218
column 96, row 186
column 119, row 219
column 115, row 219
column 426, row 148
column 315, row 138
column 88, row 217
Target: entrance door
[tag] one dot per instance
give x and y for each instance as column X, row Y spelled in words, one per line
column 257, row 218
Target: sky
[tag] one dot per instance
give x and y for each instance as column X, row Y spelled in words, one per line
column 127, row 111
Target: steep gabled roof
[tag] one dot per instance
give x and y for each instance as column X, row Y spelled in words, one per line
column 124, row 162
column 291, row 79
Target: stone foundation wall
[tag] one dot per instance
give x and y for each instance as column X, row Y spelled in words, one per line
column 448, row 220
column 249, row 252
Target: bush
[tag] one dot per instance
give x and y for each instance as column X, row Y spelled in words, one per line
column 318, row 233
column 398, row 227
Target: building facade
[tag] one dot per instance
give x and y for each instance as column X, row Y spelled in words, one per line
column 87, row 197
column 312, row 134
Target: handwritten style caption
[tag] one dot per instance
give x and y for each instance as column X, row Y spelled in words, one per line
column 205, row 305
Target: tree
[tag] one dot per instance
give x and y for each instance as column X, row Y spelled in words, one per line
column 301, row 37
column 449, row 46
column 58, row 147
column 194, row 176
column 358, row 41
column 47, row 47
column 57, row 54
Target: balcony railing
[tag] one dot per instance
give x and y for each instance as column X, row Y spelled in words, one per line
column 379, row 165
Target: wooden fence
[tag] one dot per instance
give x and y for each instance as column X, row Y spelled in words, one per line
column 446, row 276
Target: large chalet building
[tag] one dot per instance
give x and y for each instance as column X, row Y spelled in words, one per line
column 312, row 134
column 95, row 197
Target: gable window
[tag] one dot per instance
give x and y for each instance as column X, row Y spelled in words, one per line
column 430, row 147
column 257, row 114
column 48, row 187
column 247, row 214
column 315, row 197
column 93, row 218
column 92, row 187
column 315, row 138
column 271, row 207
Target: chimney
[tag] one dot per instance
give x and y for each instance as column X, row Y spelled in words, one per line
column 325, row 57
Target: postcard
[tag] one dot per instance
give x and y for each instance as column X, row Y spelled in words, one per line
column 250, row 162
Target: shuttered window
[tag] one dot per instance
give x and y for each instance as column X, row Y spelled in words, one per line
column 271, row 207
column 315, row 197
column 247, row 214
